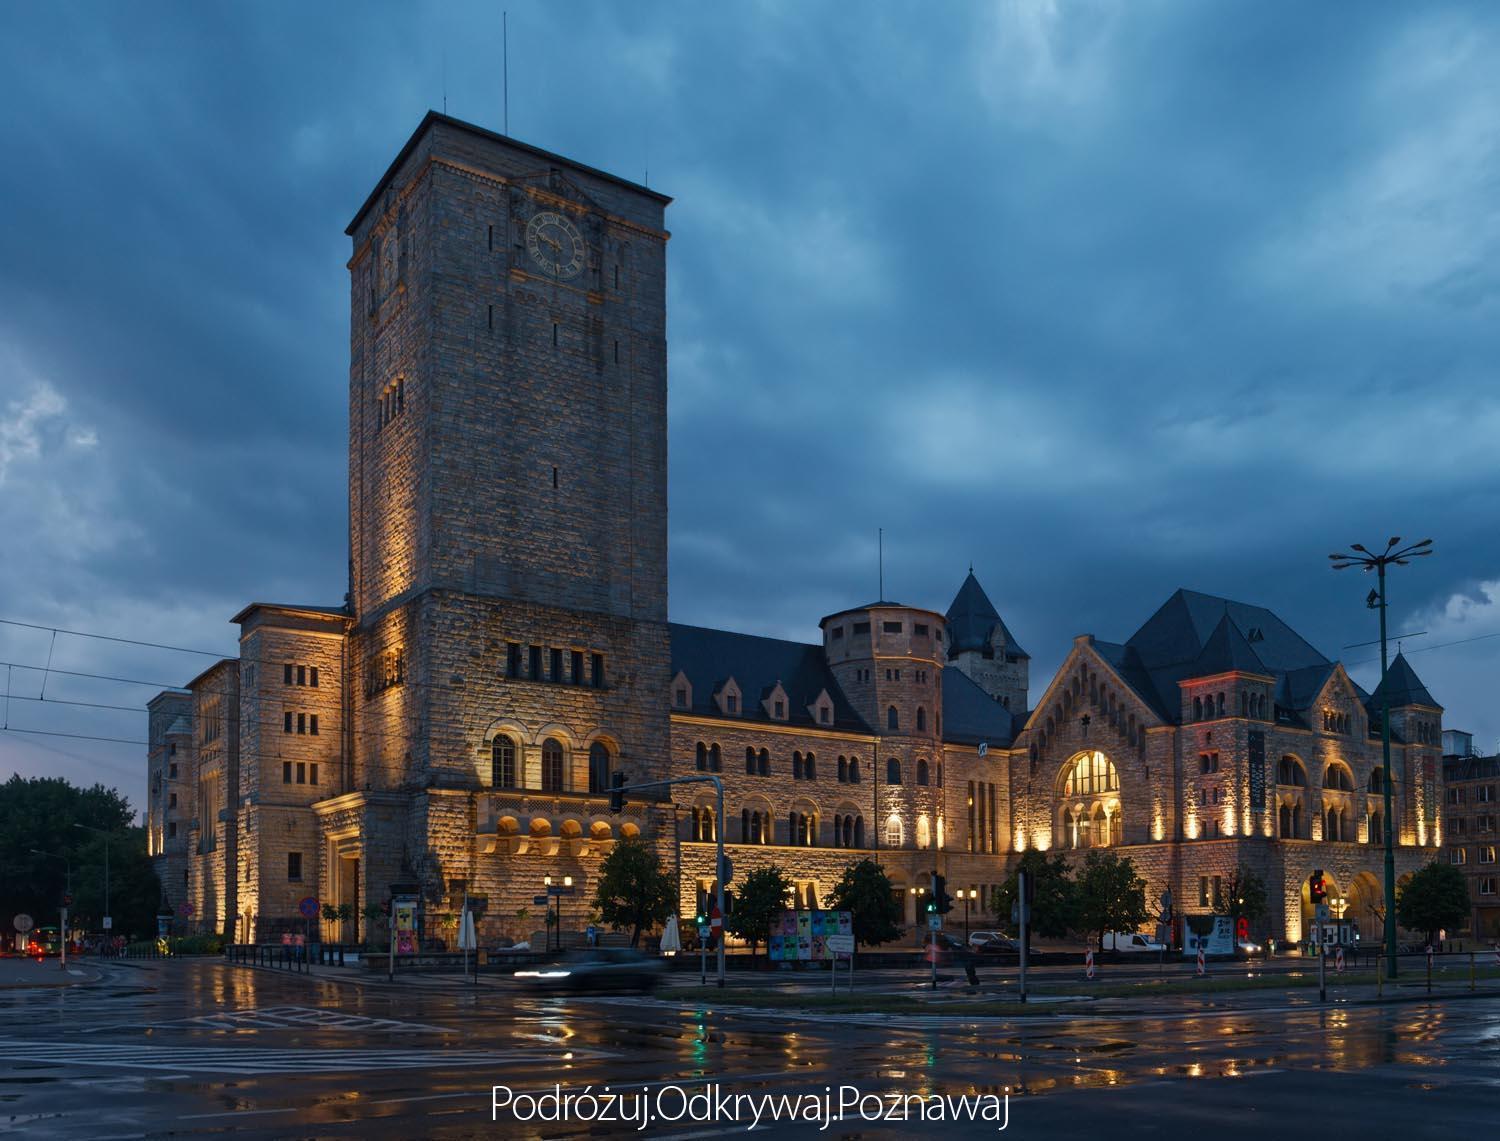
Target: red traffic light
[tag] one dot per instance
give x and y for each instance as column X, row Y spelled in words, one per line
column 67, row 900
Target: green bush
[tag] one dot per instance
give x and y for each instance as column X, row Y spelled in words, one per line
column 198, row 945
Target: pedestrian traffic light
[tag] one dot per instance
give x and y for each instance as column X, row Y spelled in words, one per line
column 1317, row 887
column 941, row 900
column 616, row 792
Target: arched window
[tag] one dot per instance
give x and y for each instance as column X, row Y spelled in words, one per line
column 765, row 762
column 1262, row 704
column 796, row 766
column 1331, row 825
column 1377, row 780
column 749, row 760
column 940, row 774
column 922, row 771
column 1244, row 704
column 696, row 830
column 598, row 767
column 503, row 763
column 1377, row 828
column 745, row 825
column 893, row 771
column 921, row 720
column 893, row 833
column 1289, row 771
column 924, row 833
column 892, row 719
column 1221, row 705
column 1336, row 776
column 1090, row 773
column 843, row 770
column 1197, row 709
column 702, row 757
column 715, row 759
column 553, row 769
column 853, row 770
column 810, row 766
column 859, row 831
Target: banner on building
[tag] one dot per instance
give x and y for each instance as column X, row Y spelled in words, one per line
column 1256, row 747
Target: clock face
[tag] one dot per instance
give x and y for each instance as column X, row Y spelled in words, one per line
column 555, row 244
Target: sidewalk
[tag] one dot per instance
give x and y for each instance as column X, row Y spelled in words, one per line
column 47, row 973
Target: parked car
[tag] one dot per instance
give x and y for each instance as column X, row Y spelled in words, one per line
column 596, row 969
column 1130, row 942
column 998, row 944
column 978, row 939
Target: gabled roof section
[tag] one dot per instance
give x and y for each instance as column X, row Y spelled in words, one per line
column 1401, row 686
column 970, row 715
column 1227, row 651
column 1131, row 670
column 971, row 618
column 757, row 664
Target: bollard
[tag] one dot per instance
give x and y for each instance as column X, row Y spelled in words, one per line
column 1471, row 970
column 1379, row 976
column 1429, row 968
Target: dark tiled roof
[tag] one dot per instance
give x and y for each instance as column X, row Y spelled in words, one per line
column 709, row 658
column 972, row 617
column 1195, row 635
column 1403, row 685
column 970, row 715
column 1226, row 651
column 1127, row 663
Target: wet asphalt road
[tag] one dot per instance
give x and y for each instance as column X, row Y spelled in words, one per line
column 186, row 1048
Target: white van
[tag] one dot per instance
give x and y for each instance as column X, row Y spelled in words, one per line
column 1128, row 942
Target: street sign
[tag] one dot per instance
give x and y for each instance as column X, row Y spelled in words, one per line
column 184, row 909
column 307, row 907
column 541, row 900
column 935, row 922
column 109, row 923
column 1322, row 913
column 703, row 931
column 840, row 944
column 24, row 923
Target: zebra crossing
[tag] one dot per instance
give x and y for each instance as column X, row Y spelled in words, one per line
column 250, row 1061
column 301, row 1018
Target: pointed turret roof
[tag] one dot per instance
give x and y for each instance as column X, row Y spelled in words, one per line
column 1227, row 651
column 1403, row 686
column 971, row 619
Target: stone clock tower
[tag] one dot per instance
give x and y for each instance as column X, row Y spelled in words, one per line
column 507, row 493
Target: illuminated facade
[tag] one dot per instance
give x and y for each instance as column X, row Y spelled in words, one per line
column 504, row 646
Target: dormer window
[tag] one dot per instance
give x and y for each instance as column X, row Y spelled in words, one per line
column 682, row 691
column 775, row 703
column 821, row 710
column 728, row 698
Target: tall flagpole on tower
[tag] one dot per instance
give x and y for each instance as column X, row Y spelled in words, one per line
column 880, row 561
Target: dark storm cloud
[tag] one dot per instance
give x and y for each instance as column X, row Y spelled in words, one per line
column 1103, row 299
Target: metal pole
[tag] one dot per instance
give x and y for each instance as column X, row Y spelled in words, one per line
column 719, row 874
column 1023, row 909
column 1322, row 964
column 1385, row 753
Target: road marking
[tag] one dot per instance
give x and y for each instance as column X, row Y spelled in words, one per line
column 262, row 1060
column 302, row 1017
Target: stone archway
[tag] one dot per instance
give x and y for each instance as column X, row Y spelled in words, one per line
column 1365, row 906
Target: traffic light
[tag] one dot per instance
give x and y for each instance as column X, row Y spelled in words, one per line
column 1317, row 887
column 616, row 792
column 942, row 902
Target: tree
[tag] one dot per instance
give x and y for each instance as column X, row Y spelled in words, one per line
column 1110, row 896
column 1243, row 896
column 632, row 891
column 40, row 813
column 762, row 896
column 866, row 892
column 1435, row 897
column 1052, row 893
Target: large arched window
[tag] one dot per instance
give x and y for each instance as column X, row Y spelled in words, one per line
column 1377, row 780
column 553, row 768
column 1090, row 774
column 1289, row 771
column 924, row 832
column 892, row 719
column 1337, row 776
column 893, row 831
column 893, row 771
column 503, row 763
column 598, row 767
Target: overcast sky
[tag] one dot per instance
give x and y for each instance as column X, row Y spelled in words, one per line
column 1105, row 299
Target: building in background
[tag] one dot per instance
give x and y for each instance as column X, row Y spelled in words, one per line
column 1470, row 833
column 504, row 648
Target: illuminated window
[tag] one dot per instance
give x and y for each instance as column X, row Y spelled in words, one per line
column 552, row 765
column 1091, row 773
column 503, row 763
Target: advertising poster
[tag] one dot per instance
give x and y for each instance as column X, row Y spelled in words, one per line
column 406, row 926
column 802, row 936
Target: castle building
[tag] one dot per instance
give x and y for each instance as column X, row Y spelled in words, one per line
column 504, row 647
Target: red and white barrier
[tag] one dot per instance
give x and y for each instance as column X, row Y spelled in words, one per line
column 1088, row 964
column 1338, row 960
column 1202, row 963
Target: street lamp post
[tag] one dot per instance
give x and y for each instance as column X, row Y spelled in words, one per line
column 62, row 942
column 108, row 921
column 1376, row 601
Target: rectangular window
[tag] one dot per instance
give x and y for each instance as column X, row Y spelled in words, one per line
column 301, row 675
column 681, row 698
column 1486, row 793
column 861, row 628
column 302, row 723
column 312, row 724
column 1202, row 891
column 1486, row 853
column 301, row 772
column 557, row 664
column 732, row 703
column 172, row 773
column 1487, row 886
column 825, row 715
column 286, row 675
column 1218, row 892
column 919, row 629
column 171, row 829
column 312, row 773
column 596, row 665
column 780, row 709
column 838, row 633
column 286, row 723
column 1458, row 855
column 891, row 627
column 286, row 772
column 512, row 659
column 577, row 663
column 312, row 676
column 172, row 803
column 535, row 653
column 294, row 866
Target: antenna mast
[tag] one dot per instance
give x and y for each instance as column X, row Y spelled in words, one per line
column 880, row 560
